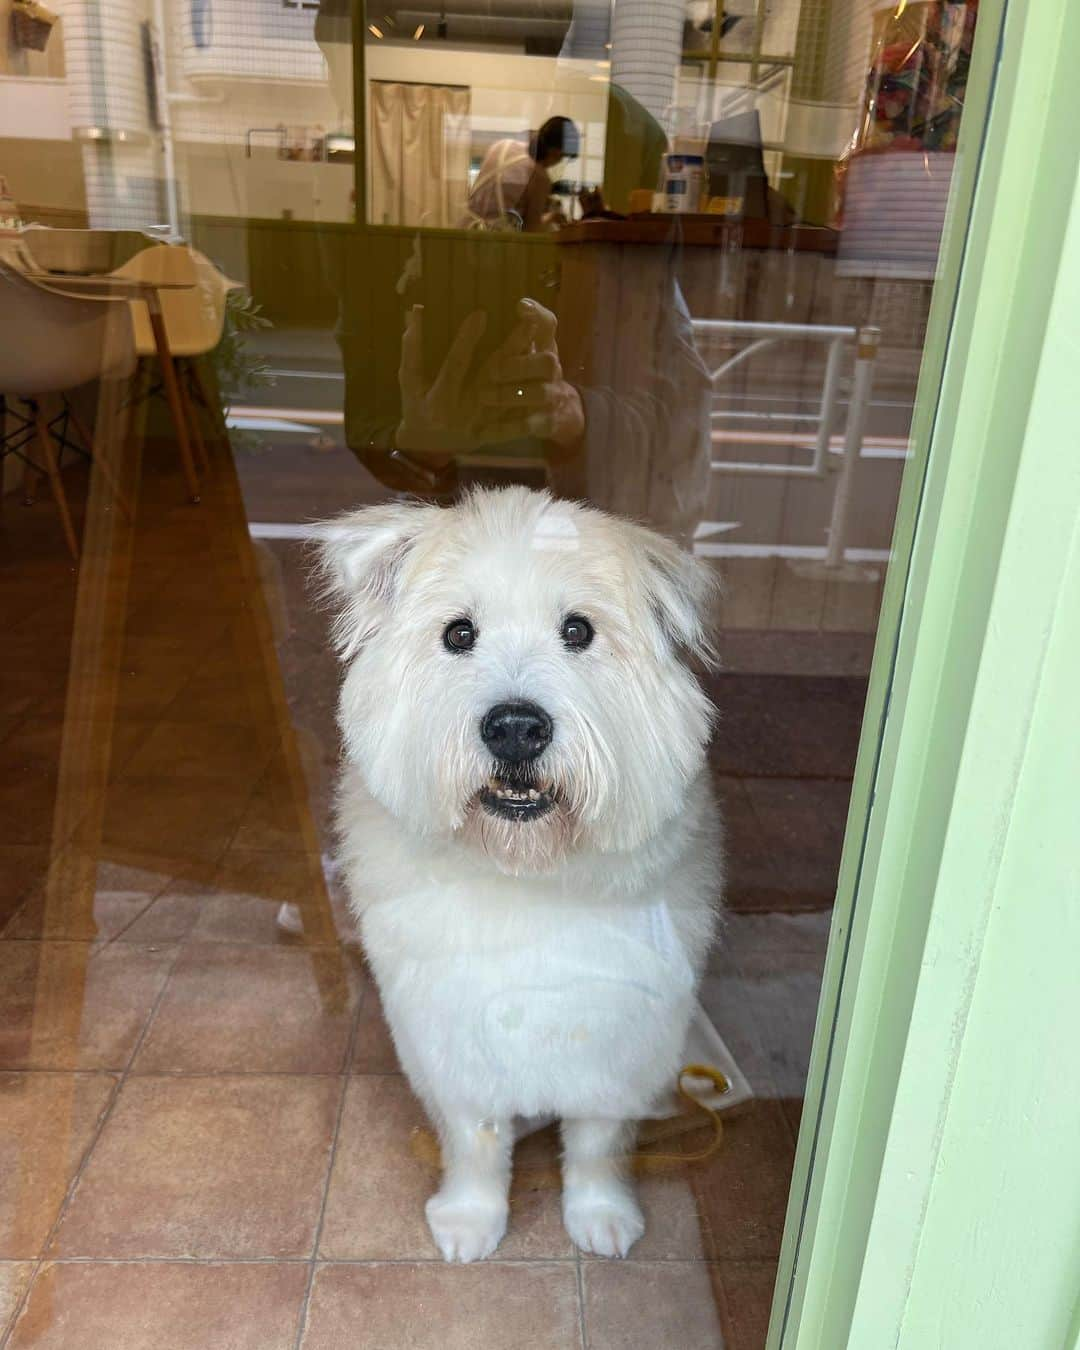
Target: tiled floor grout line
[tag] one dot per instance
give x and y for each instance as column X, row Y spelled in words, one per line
column 84, row 1161
column 194, row 1073
column 723, row 1310
column 165, row 888
column 118, row 935
column 346, row 1076
column 600, row 1263
column 579, row 1277
column 364, row 1262
column 171, row 882
column 182, row 938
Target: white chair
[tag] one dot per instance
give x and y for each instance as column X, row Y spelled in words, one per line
column 51, row 342
column 192, row 296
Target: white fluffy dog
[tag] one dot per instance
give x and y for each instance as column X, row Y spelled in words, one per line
column 529, row 837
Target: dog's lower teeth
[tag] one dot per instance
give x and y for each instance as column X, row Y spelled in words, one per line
column 520, row 801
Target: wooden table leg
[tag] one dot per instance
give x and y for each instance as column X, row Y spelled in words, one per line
column 172, row 393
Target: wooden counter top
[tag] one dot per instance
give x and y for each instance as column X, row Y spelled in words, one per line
column 700, row 231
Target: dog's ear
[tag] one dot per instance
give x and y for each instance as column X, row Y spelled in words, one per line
column 683, row 592
column 358, row 559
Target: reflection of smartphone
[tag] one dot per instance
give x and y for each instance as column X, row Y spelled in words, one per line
column 488, row 272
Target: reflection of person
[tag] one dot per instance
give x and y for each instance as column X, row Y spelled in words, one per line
column 517, row 394
column 514, row 184
column 618, row 389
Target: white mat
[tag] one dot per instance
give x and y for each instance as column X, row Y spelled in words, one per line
column 703, row 1045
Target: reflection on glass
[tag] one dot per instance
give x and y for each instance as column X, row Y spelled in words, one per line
column 263, row 262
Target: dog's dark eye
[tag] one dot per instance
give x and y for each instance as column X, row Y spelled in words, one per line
column 459, row 636
column 576, row 631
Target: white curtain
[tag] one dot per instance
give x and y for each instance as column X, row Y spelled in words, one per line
column 419, row 154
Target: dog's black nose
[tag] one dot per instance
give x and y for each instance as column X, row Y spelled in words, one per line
column 516, row 732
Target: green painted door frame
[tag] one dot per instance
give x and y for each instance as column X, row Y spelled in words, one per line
column 936, row 1198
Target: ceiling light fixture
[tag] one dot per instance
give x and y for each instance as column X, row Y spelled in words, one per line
column 419, row 32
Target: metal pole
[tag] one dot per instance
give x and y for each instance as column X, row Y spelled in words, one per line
column 755, row 57
column 828, row 407
column 861, row 388
column 172, row 203
column 774, row 329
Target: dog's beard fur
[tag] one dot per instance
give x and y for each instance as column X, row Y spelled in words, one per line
column 521, row 847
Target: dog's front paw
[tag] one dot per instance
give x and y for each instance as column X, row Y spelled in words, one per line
column 606, row 1222
column 466, row 1227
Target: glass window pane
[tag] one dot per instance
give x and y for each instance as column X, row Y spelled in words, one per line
column 320, row 843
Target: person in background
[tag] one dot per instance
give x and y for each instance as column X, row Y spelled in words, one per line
column 513, row 188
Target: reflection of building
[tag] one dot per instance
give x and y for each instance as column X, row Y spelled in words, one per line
column 195, row 103
column 253, row 106
column 245, row 95
column 169, row 112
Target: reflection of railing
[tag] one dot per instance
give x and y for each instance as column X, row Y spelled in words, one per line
column 764, row 335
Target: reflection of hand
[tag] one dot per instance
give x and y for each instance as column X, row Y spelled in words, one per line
column 436, row 418
column 521, row 387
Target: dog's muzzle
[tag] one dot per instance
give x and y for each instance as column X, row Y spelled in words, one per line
column 516, row 734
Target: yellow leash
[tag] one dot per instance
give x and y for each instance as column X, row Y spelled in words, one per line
column 644, row 1163
column 425, row 1146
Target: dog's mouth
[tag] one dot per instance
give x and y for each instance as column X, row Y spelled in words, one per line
column 514, row 798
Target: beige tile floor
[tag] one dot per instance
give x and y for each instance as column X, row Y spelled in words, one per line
column 205, row 1139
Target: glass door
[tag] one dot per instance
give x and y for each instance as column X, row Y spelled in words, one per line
column 685, row 264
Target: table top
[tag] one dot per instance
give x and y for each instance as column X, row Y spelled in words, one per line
column 701, row 231
column 105, row 282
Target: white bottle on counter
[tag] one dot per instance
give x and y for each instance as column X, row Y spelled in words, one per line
column 682, row 182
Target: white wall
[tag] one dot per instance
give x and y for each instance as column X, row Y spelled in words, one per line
column 33, row 108
column 217, row 180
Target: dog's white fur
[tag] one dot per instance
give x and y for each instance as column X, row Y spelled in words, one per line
column 526, row 967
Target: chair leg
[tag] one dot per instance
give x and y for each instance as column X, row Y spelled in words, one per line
column 48, row 451
column 32, row 475
column 192, row 414
column 176, row 404
column 80, row 427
